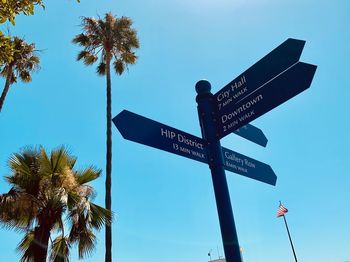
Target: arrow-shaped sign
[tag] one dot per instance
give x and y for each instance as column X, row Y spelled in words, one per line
column 275, row 92
column 151, row 133
column 148, row 132
column 248, row 167
column 278, row 60
column 252, row 134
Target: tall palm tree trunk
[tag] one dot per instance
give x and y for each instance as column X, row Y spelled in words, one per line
column 6, row 88
column 108, row 257
column 41, row 238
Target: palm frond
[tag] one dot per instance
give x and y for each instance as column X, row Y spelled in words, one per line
column 129, row 58
column 132, row 40
column 126, row 35
column 17, row 210
column 45, row 162
column 58, row 159
column 35, row 60
column 90, row 59
column 27, row 156
column 109, row 19
column 60, row 250
column 90, row 24
column 81, row 39
column 123, row 23
column 86, row 244
column 4, row 71
column 99, row 216
column 82, row 55
column 25, row 170
column 88, row 175
column 93, row 31
column 101, row 33
column 78, row 224
column 58, row 162
column 13, row 78
column 25, row 76
column 101, row 69
column 8, row 199
column 72, row 200
column 119, row 66
column 27, row 247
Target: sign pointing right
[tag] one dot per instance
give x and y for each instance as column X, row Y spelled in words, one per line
column 275, row 92
column 275, row 62
column 252, row 133
column 248, row 167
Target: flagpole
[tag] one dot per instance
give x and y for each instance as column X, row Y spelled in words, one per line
column 290, row 239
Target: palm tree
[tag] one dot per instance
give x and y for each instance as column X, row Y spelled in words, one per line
column 113, row 40
column 23, row 63
column 47, row 191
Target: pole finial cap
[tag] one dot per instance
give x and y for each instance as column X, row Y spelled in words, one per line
column 203, row 86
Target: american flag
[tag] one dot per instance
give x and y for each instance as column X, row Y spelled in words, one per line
column 281, row 210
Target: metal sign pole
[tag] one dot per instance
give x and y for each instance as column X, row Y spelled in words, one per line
column 215, row 158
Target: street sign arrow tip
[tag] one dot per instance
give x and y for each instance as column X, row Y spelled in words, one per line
column 118, row 121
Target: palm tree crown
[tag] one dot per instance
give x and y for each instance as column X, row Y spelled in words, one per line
column 110, row 38
column 24, row 61
column 49, row 195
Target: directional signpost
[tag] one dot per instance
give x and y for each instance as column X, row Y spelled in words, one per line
column 273, row 80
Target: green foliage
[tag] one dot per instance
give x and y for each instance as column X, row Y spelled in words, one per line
column 46, row 189
column 6, row 49
column 10, row 8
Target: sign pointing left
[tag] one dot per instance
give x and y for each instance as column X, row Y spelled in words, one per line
column 151, row 133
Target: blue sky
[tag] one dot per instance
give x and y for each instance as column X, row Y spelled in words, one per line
column 164, row 204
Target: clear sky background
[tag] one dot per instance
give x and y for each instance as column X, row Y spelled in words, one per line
column 164, row 204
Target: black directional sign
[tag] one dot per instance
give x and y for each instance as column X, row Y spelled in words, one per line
column 151, row 133
column 252, row 134
column 248, row 167
column 280, row 89
column 271, row 65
